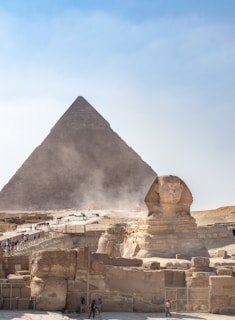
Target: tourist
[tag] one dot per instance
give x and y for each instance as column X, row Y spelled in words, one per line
column 12, row 246
column 7, row 243
column 167, row 308
column 99, row 305
column 92, row 309
column 82, row 305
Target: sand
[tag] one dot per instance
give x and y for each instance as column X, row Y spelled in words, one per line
column 42, row 315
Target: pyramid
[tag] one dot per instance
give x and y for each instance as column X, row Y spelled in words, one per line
column 82, row 163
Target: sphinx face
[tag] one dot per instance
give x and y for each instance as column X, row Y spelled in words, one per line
column 170, row 192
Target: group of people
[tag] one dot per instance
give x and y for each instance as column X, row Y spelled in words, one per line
column 97, row 307
column 94, row 306
column 10, row 245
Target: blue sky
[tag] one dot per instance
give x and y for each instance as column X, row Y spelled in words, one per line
column 161, row 72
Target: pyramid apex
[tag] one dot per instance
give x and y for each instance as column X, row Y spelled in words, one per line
column 81, row 114
column 80, row 98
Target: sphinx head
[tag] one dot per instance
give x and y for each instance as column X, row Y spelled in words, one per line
column 168, row 194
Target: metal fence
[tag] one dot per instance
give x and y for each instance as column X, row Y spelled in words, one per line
column 16, row 296
column 188, row 299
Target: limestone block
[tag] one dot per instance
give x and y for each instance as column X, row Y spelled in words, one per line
column 198, row 295
column 198, row 279
column 116, row 302
column 204, row 276
column 121, row 262
column 96, row 283
column 221, row 293
column 71, row 285
column 22, row 272
column 83, row 256
column 148, row 303
column 153, row 265
column 80, row 284
column 73, row 301
column 60, row 264
column 219, row 283
column 49, row 293
column 111, row 241
column 224, row 271
column 216, row 262
column 227, row 310
column 182, row 256
column 222, row 254
column 12, row 278
column 101, row 257
column 174, row 278
column 134, row 280
column 97, row 266
column 124, row 262
column 200, row 262
column 177, row 264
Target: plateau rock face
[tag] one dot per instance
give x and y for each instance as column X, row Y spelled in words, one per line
column 82, row 163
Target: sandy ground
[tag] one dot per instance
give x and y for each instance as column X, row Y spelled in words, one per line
column 26, row 315
column 226, row 214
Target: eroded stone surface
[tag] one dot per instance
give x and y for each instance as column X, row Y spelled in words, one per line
column 60, row 264
column 168, row 230
column 168, row 195
column 50, row 293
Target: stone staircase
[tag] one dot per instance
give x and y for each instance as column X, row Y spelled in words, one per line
column 52, row 241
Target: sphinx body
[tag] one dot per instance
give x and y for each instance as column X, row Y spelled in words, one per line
column 168, row 230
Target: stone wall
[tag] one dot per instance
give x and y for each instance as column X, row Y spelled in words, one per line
column 59, row 278
column 222, row 294
column 6, row 227
column 12, row 264
column 121, row 283
column 216, row 231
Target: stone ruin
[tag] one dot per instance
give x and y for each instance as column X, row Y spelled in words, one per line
column 168, row 231
column 109, row 266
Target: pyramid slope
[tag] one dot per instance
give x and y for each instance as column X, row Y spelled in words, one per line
column 82, row 163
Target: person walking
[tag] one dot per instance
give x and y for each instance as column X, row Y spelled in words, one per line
column 92, row 309
column 167, row 308
column 82, row 305
column 99, row 307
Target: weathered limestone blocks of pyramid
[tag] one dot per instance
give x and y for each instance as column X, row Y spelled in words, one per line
column 82, row 163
